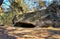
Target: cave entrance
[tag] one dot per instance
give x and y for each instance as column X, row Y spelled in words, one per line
column 24, row 25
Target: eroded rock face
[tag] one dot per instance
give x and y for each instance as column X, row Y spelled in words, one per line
column 56, row 24
column 34, row 18
column 41, row 18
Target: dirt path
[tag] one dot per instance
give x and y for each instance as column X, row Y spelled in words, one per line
column 29, row 33
column 4, row 34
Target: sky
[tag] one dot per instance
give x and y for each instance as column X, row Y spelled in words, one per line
column 6, row 5
column 31, row 3
column 35, row 4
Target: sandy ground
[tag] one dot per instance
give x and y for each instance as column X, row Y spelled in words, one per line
column 29, row 33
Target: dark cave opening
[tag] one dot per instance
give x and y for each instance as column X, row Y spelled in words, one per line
column 24, row 25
